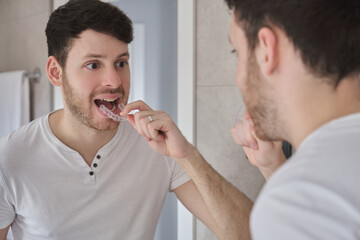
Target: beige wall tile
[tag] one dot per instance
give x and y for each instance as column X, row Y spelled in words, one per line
column 216, row 110
column 218, row 100
column 215, row 63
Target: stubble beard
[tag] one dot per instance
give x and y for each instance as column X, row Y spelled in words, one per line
column 260, row 104
column 80, row 108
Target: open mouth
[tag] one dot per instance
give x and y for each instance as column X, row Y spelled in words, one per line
column 110, row 104
column 111, row 108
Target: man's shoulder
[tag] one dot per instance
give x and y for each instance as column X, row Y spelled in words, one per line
column 21, row 145
column 22, row 137
column 311, row 187
column 318, row 177
column 343, row 131
column 315, row 183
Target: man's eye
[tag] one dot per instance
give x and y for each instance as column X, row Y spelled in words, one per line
column 122, row 64
column 92, row 66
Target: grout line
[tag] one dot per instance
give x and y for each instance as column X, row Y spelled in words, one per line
column 225, row 85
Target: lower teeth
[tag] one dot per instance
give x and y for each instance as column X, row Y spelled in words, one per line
column 112, row 115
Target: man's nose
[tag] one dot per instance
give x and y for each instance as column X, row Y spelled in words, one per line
column 112, row 78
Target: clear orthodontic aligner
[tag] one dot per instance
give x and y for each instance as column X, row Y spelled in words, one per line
column 112, row 115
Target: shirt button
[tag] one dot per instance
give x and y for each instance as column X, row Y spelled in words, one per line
column 91, row 173
column 98, row 156
column 95, row 165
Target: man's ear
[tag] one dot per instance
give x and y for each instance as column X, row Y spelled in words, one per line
column 54, row 71
column 268, row 55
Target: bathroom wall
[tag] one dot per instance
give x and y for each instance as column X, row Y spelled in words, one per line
column 23, row 45
column 217, row 100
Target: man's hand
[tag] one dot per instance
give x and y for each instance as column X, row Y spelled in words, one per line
column 265, row 155
column 158, row 129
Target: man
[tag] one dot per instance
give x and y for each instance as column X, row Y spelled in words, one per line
column 298, row 71
column 75, row 173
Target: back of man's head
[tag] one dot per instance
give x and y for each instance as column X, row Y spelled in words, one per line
column 326, row 32
column 70, row 20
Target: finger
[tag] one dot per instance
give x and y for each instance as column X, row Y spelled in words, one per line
column 246, row 115
column 249, row 153
column 236, row 136
column 268, row 146
column 156, row 134
column 131, row 120
column 262, row 144
column 160, row 125
column 142, row 120
column 238, row 132
column 254, row 142
column 134, row 120
column 242, row 134
column 137, row 105
column 248, row 125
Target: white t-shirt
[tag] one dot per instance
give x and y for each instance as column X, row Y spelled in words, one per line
column 316, row 194
column 49, row 192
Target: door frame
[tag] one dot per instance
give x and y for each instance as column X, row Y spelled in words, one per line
column 186, row 98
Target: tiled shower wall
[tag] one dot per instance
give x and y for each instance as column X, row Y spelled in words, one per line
column 218, row 99
column 23, row 45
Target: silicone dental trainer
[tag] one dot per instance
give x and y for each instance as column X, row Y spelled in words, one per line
column 112, row 115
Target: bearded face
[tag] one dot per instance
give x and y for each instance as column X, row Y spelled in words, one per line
column 258, row 97
column 96, row 75
column 80, row 106
column 261, row 100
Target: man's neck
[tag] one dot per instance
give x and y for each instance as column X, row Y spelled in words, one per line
column 79, row 137
column 322, row 105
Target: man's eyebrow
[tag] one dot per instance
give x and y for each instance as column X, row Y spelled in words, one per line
column 95, row 55
column 125, row 54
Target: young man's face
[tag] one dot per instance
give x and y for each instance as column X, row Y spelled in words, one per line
column 254, row 88
column 96, row 73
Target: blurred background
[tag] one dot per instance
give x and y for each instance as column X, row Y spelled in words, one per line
column 180, row 63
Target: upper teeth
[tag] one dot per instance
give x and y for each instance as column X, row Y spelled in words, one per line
column 109, row 100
